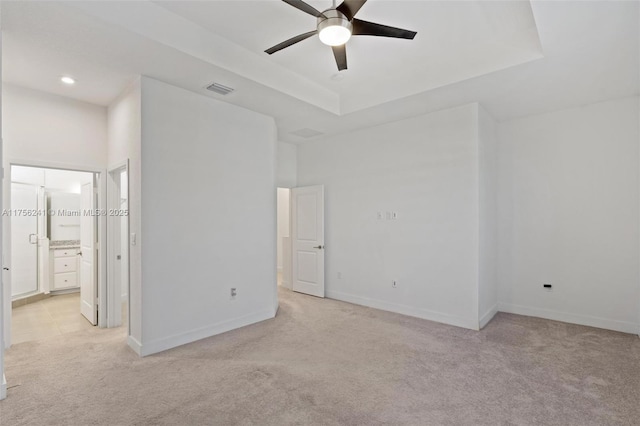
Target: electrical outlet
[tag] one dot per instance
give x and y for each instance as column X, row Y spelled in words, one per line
column 234, row 293
column 394, row 283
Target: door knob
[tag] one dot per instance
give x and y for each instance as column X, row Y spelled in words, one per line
column 319, row 247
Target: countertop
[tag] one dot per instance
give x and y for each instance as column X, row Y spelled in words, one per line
column 64, row 244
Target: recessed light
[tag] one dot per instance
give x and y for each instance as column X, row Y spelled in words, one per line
column 67, row 80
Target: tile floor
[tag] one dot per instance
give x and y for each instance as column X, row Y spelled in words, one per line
column 47, row 318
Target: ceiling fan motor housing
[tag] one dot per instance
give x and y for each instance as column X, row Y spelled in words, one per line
column 333, row 17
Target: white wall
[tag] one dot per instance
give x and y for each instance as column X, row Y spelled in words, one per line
column 425, row 169
column 568, row 215
column 287, row 165
column 283, row 222
column 64, row 227
column 42, row 127
column 125, row 136
column 4, row 290
column 488, row 250
column 209, row 216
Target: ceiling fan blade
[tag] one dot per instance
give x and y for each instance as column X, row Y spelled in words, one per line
column 299, row 4
column 372, row 29
column 340, row 53
column 290, row 42
column 350, row 7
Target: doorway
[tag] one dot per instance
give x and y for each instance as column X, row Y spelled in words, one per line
column 283, row 237
column 118, row 245
column 53, row 262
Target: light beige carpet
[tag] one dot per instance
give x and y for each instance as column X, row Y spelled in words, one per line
column 326, row 362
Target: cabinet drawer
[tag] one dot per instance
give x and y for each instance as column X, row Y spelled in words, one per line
column 65, row 252
column 68, row 279
column 64, row 264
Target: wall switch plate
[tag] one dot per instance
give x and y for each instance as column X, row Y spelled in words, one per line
column 380, row 215
column 234, row 293
column 388, row 215
column 394, row 283
column 133, row 239
column 394, row 215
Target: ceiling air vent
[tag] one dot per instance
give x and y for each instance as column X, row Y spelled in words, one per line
column 220, row 89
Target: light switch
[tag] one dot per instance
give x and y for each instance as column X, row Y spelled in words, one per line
column 380, row 215
column 133, row 239
column 394, row 215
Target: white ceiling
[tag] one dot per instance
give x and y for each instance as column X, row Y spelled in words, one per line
column 455, row 41
column 514, row 57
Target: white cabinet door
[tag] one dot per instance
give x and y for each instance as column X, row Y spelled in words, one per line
column 307, row 220
column 88, row 281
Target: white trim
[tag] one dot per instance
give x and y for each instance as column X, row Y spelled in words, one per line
column 114, row 285
column 102, row 249
column 135, row 345
column 3, row 387
column 488, row 316
column 51, row 165
column 608, row 324
column 176, row 340
column 65, row 291
column 404, row 309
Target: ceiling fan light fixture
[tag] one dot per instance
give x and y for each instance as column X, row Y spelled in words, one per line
column 334, row 29
column 335, row 35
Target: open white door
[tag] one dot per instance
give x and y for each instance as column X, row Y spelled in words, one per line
column 88, row 290
column 307, row 234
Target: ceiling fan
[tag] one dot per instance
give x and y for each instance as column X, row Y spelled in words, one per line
column 336, row 25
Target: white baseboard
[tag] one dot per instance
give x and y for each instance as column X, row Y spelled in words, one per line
column 176, row 340
column 3, row 387
column 484, row 320
column 609, row 324
column 135, row 345
column 404, row 309
column 65, row 291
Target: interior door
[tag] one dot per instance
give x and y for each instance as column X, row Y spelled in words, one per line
column 307, row 233
column 88, row 282
column 24, row 239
